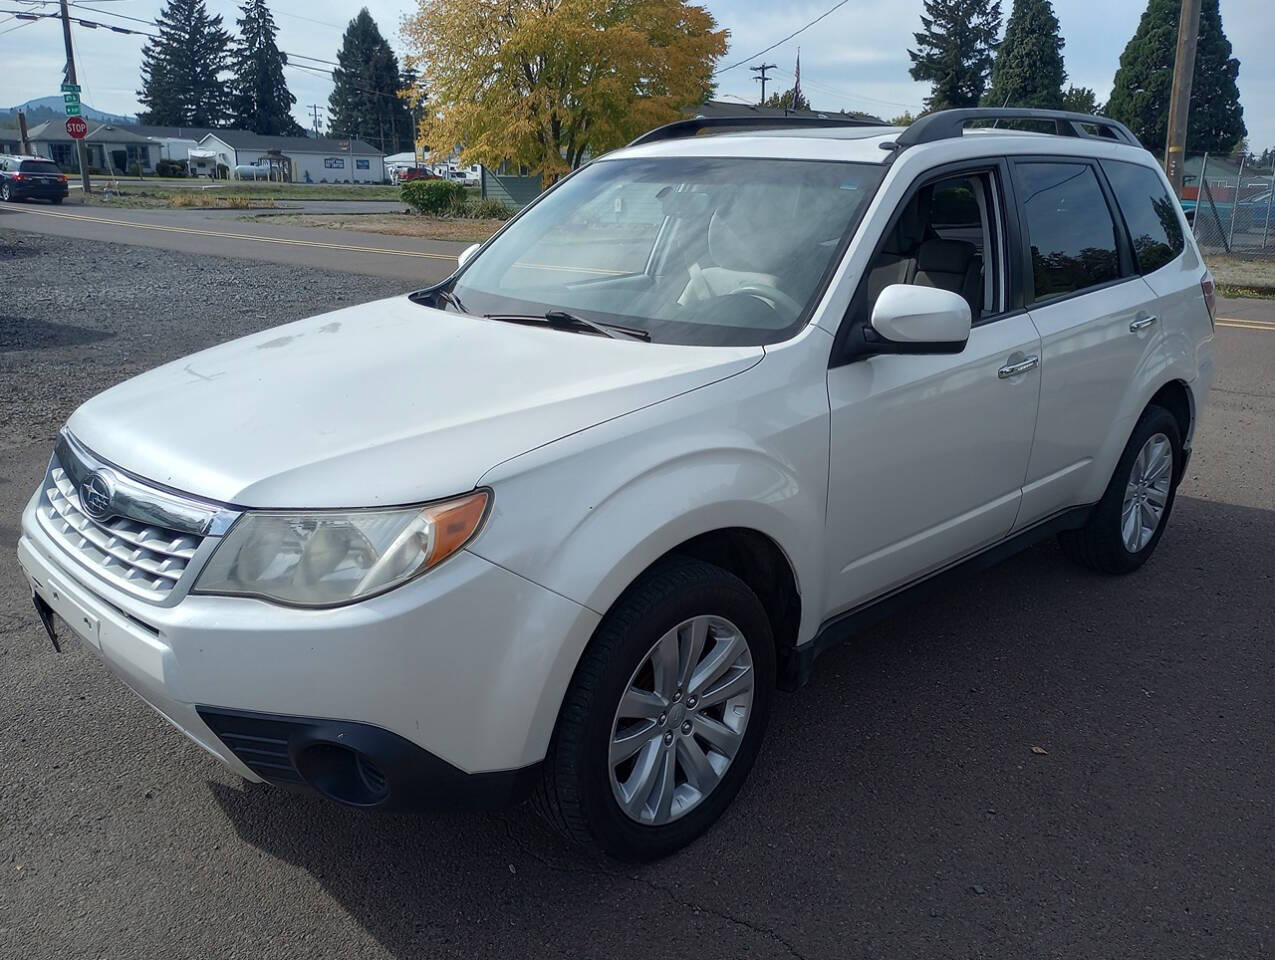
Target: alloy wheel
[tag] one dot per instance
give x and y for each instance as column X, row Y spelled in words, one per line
column 1147, row 492
column 681, row 720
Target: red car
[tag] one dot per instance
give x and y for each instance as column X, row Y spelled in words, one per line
column 416, row 173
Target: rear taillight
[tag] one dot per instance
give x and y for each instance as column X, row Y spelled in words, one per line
column 1210, row 294
column 18, row 176
column 62, row 179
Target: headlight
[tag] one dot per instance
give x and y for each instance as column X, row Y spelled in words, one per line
column 323, row 558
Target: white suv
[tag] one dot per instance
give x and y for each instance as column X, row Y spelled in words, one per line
column 561, row 524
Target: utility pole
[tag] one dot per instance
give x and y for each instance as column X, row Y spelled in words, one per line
column 70, row 78
column 1180, row 97
column 761, row 70
column 315, row 108
column 25, row 146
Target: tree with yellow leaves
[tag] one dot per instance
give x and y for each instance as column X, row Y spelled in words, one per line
column 546, row 83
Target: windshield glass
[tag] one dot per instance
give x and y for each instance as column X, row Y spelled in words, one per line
column 703, row 250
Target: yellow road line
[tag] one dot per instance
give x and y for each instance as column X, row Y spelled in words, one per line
column 1247, row 325
column 1260, row 323
column 243, row 236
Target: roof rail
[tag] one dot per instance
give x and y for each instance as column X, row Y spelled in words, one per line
column 949, row 124
column 697, row 125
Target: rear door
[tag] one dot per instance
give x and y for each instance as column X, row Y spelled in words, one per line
column 1090, row 306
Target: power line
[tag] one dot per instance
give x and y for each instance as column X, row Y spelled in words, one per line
column 740, row 63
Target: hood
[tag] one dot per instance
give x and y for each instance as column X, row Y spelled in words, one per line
column 384, row 403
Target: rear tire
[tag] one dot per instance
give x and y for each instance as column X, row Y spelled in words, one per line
column 693, row 721
column 57, row 200
column 1129, row 520
column 5, row 194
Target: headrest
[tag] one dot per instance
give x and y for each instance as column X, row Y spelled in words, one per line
column 945, row 256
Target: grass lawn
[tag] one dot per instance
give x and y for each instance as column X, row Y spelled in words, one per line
column 392, row 224
column 1244, row 276
column 160, row 192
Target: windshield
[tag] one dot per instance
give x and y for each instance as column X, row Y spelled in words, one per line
column 702, row 250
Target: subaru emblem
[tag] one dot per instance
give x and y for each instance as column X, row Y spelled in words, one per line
column 95, row 495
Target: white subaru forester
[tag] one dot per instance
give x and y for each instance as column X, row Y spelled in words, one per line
column 560, row 524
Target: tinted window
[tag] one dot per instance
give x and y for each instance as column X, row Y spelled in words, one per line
column 1149, row 212
column 40, row 166
column 1069, row 228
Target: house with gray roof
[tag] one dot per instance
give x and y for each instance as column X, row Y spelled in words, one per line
column 110, row 148
column 300, row 159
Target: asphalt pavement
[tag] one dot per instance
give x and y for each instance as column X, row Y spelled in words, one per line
column 225, row 234
column 898, row 809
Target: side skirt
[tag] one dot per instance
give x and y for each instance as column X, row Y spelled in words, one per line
column 797, row 666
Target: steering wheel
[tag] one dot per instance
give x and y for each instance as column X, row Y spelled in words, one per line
column 776, row 297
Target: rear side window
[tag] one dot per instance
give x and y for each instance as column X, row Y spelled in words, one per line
column 40, row 166
column 1069, row 228
column 1149, row 212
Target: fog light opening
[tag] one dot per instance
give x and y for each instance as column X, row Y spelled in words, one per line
column 343, row 774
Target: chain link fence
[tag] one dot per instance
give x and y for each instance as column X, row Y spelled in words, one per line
column 1231, row 204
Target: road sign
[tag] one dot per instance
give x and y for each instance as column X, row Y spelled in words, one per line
column 70, row 98
column 76, row 127
column 70, row 88
column 72, row 109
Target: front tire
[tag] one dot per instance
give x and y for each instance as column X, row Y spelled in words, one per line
column 1129, row 520
column 5, row 193
column 665, row 714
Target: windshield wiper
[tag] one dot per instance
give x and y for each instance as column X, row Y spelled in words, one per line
column 562, row 320
column 448, row 297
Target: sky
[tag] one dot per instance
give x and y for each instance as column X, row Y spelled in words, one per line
column 854, row 59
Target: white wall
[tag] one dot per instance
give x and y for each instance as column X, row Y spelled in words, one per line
column 321, row 167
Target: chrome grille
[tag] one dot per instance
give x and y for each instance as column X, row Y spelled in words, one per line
column 143, row 557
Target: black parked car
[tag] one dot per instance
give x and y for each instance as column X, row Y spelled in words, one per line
column 25, row 178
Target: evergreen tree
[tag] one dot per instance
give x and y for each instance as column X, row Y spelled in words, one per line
column 791, row 99
column 182, row 68
column 955, row 49
column 1028, row 71
column 1081, row 100
column 260, row 100
column 365, row 101
column 1140, row 98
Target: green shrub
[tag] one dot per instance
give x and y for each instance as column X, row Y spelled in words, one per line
column 170, row 168
column 434, row 197
column 134, row 169
column 489, row 209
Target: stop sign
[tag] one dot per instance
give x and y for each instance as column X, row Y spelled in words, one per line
column 76, row 127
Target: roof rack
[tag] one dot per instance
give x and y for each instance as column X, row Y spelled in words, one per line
column 697, row 125
column 949, row 124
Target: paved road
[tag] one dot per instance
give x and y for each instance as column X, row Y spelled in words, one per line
column 897, row 811
column 224, row 234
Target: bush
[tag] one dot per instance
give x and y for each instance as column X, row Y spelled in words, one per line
column 488, row 209
column 134, row 169
column 435, row 197
column 223, row 172
column 170, row 168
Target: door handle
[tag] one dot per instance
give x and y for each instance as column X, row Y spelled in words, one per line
column 1014, row 369
column 1142, row 324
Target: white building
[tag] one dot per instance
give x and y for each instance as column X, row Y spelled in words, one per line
column 309, row 159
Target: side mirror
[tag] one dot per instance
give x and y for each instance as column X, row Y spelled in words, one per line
column 465, row 254
column 914, row 319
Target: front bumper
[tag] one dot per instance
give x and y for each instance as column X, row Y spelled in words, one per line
column 450, row 684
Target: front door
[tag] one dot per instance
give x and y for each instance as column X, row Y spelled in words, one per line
column 928, row 452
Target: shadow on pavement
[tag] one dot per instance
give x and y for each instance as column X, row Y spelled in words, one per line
column 21, row 333
column 899, row 807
